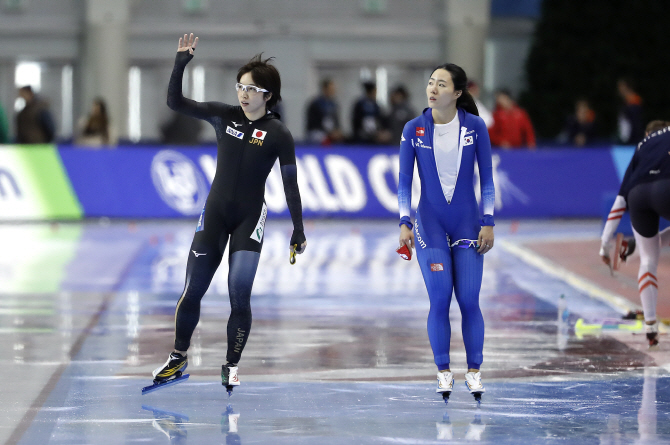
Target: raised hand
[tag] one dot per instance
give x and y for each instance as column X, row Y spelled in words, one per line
column 187, row 43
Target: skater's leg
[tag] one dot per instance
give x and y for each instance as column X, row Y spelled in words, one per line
column 468, row 266
column 649, row 249
column 203, row 260
column 243, row 266
column 432, row 252
column 204, row 257
column 645, row 220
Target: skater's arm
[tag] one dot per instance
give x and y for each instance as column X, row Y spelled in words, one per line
column 485, row 239
column 617, row 211
column 289, row 174
column 406, row 160
column 613, row 219
column 485, row 164
column 175, row 97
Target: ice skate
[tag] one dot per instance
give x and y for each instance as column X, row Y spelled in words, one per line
column 627, row 248
column 445, row 384
column 652, row 334
column 171, row 373
column 473, row 381
column 229, row 377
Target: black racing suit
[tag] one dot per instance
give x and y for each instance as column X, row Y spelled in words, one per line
column 646, row 184
column 235, row 208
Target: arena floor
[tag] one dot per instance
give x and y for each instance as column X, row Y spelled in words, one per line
column 338, row 352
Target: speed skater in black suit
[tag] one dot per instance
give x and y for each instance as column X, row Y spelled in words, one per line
column 250, row 138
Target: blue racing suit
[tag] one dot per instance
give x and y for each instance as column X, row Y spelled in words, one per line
column 441, row 222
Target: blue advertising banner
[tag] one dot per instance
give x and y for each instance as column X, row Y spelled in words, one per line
column 351, row 182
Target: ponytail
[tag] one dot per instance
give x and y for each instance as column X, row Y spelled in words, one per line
column 460, row 80
column 467, row 102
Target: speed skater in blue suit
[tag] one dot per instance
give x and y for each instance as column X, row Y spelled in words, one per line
column 449, row 235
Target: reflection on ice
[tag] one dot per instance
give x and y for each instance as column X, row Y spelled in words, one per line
column 474, row 432
column 169, row 423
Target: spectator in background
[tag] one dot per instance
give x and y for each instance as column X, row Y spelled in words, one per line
column 580, row 127
column 367, row 118
column 181, row 129
column 631, row 127
column 401, row 112
column 484, row 112
column 4, row 127
column 511, row 124
column 95, row 130
column 34, row 123
column 323, row 123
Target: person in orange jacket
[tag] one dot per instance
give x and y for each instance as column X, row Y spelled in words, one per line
column 511, row 124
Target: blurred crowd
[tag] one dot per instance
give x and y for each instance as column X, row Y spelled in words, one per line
column 509, row 125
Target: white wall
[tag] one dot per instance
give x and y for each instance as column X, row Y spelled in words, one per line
column 310, row 38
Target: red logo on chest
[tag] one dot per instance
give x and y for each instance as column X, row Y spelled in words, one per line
column 420, row 131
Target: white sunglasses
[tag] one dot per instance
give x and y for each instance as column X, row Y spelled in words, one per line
column 249, row 88
column 465, row 243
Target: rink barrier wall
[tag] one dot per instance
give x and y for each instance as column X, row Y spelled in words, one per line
column 335, row 182
column 34, row 185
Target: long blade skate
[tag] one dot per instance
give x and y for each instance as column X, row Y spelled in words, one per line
column 473, row 382
column 445, row 384
column 229, row 378
column 160, row 385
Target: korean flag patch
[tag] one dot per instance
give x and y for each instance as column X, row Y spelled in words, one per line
column 468, row 140
column 258, row 134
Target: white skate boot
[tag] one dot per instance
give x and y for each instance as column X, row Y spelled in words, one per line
column 445, row 384
column 229, row 377
column 473, row 381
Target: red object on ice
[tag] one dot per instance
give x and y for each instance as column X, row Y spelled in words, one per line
column 617, row 249
column 404, row 252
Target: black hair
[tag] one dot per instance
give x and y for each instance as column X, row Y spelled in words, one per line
column 460, row 81
column 400, row 89
column 369, row 86
column 325, row 83
column 98, row 124
column 265, row 76
column 505, row 91
column 629, row 82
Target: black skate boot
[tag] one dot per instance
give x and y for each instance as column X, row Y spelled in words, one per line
column 170, row 373
column 627, row 248
column 173, row 368
column 652, row 335
column 229, row 377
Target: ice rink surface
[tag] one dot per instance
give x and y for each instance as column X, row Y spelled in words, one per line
column 338, row 352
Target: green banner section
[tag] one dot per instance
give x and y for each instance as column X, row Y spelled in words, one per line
column 34, row 184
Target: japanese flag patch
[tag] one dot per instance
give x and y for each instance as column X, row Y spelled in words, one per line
column 259, row 134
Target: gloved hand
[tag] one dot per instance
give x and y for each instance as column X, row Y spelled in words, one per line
column 605, row 252
column 298, row 238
